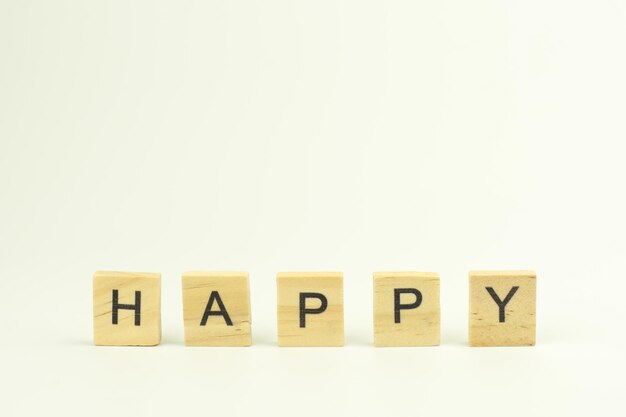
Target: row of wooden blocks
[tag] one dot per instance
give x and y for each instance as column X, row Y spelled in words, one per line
column 216, row 308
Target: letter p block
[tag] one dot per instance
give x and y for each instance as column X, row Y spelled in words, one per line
column 310, row 308
column 126, row 308
column 406, row 309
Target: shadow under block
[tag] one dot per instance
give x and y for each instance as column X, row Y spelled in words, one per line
column 406, row 309
column 216, row 309
column 310, row 308
column 502, row 308
column 126, row 308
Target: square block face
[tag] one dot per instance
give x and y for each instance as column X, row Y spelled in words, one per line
column 216, row 309
column 406, row 309
column 502, row 308
column 126, row 308
column 310, row 309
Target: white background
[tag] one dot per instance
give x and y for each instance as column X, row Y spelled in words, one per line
column 325, row 135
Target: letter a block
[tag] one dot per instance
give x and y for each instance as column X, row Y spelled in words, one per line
column 216, row 309
column 310, row 309
column 126, row 308
column 406, row 309
column 502, row 308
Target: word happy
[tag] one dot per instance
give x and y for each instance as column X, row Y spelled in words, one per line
column 216, row 308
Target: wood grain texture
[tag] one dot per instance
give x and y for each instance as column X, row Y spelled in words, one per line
column 419, row 326
column 322, row 329
column 230, row 329
column 496, row 321
column 127, row 331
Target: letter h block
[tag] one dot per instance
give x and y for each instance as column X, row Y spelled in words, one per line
column 126, row 308
column 406, row 309
column 502, row 308
column 310, row 309
column 216, row 309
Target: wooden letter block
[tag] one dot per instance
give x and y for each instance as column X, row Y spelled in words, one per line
column 310, row 309
column 216, row 309
column 502, row 308
column 126, row 308
column 406, row 309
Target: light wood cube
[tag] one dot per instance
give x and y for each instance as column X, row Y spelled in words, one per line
column 502, row 308
column 310, row 309
column 406, row 309
column 216, row 309
column 126, row 308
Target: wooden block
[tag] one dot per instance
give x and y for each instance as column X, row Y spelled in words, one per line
column 216, row 309
column 502, row 308
column 126, row 308
column 406, row 309
column 310, row 308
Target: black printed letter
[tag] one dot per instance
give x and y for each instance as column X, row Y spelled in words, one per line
column 117, row 306
column 304, row 311
column 215, row 296
column 501, row 303
column 396, row 301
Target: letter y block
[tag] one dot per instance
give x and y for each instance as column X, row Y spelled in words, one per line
column 502, row 308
